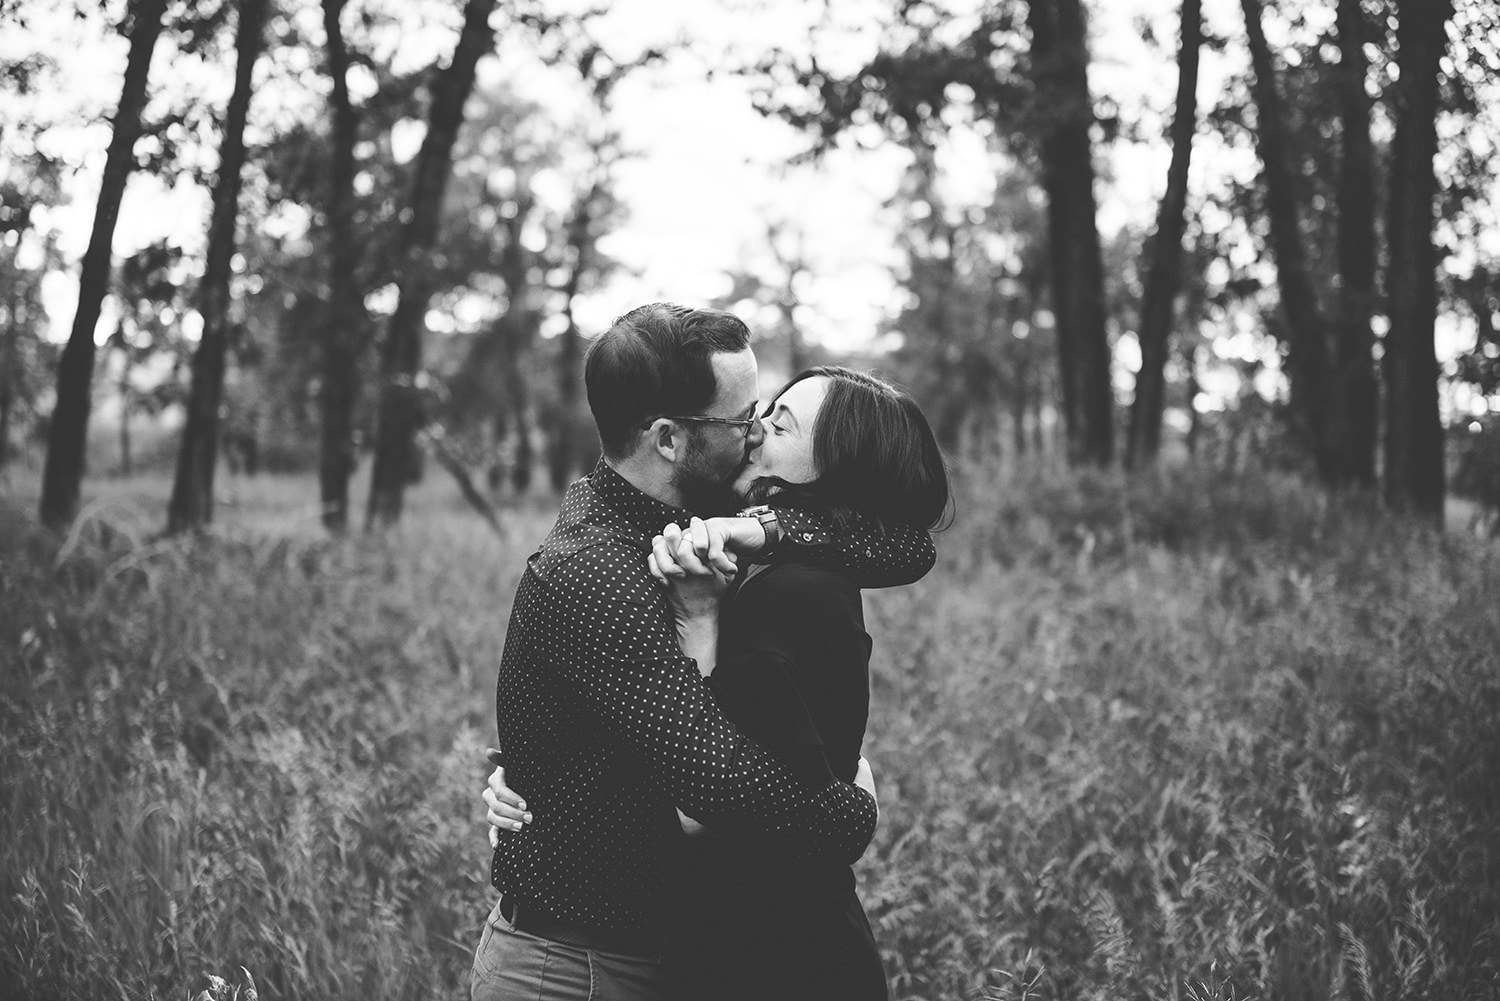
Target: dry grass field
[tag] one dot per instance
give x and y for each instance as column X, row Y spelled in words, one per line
column 1182, row 737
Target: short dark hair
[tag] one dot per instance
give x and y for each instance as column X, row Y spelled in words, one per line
column 874, row 452
column 653, row 361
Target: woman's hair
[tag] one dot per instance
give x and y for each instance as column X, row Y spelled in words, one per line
column 874, row 452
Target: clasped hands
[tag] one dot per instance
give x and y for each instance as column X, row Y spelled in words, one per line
column 697, row 564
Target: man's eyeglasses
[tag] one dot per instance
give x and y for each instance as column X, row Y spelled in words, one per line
column 743, row 423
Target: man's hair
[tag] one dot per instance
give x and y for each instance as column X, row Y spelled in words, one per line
column 874, row 452
column 655, row 361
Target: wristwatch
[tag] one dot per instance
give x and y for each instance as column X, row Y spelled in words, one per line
column 768, row 523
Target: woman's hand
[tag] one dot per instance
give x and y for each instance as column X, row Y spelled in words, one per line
column 695, row 567
column 690, row 827
column 693, row 587
column 864, row 777
column 505, row 806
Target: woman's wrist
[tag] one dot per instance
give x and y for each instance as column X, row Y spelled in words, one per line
column 699, row 638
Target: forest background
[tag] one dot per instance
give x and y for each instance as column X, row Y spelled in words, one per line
column 1201, row 698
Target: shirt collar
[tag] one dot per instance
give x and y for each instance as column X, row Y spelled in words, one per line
column 638, row 508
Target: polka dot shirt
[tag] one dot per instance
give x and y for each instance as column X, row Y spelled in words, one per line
column 606, row 726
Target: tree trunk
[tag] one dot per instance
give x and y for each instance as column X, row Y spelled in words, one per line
column 563, row 464
column 400, row 411
column 67, row 434
column 7, row 403
column 1060, row 64
column 1307, row 347
column 521, row 473
column 10, row 374
column 342, row 337
column 563, row 460
column 1164, row 253
column 1195, row 419
column 1018, row 408
column 1414, row 474
column 125, row 463
column 192, row 503
column 1352, row 419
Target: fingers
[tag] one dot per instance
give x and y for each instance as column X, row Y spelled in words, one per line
column 664, row 555
column 715, row 538
column 687, row 550
column 506, row 808
column 502, row 813
column 864, row 778
column 513, row 816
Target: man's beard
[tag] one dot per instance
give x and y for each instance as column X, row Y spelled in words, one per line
column 704, row 490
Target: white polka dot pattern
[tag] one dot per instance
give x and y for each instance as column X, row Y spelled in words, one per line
column 605, row 726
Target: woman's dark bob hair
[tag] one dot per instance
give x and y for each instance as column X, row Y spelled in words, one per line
column 874, row 452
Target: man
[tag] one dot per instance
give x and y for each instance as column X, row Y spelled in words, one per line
column 602, row 719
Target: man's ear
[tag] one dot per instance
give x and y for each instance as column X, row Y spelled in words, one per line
column 665, row 438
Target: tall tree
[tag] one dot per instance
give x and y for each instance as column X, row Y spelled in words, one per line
column 192, row 502
column 343, row 331
column 25, row 361
column 67, row 434
column 1063, row 116
column 1164, row 252
column 566, row 443
column 1307, row 344
column 1352, row 419
column 1414, row 477
column 400, row 411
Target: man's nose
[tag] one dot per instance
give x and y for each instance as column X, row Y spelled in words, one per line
column 756, row 435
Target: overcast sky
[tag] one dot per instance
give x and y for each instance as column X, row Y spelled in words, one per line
column 708, row 176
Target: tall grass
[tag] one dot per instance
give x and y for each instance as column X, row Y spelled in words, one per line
column 1175, row 738
column 1189, row 738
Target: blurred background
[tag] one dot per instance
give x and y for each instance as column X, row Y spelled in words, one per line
column 1201, row 297
column 1153, row 232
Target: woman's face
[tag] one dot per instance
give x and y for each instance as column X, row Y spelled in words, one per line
column 786, row 450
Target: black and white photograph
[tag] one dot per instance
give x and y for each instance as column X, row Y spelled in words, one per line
column 749, row 500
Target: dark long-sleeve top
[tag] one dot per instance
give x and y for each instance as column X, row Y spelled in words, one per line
column 751, row 922
column 606, row 727
column 793, row 671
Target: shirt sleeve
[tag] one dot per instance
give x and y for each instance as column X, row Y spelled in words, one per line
column 617, row 649
column 870, row 554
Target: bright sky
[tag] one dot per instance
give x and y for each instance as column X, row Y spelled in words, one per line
column 708, row 177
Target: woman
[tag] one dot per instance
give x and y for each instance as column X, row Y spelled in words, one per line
column 790, row 669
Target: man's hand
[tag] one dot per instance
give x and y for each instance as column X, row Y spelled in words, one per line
column 505, row 806
column 695, row 567
column 864, row 777
column 716, row 543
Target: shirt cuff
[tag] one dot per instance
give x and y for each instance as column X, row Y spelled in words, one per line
column 804, row 528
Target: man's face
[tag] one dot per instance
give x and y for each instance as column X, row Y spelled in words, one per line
column 715, row 452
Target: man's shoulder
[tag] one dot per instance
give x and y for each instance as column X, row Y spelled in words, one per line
column 590, row 553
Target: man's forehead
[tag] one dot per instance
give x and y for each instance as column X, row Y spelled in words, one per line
column 738, row 378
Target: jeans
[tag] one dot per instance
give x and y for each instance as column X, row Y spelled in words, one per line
column 511, row 965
